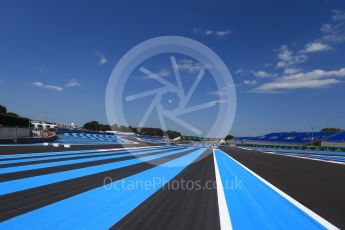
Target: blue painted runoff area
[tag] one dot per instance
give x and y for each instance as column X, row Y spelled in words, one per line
column 104, row 206
column 36, row 181
column 252, row 204
column 89, row 138
column 48, row 154
column 94, row 157
column 59, row 155
column 10, row 156
column 328, row 158
column 301, row 151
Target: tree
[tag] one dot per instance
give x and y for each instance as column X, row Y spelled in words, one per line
column 11, row 114
column 102, row 127
column 133, row 129
column 3, row 109
column 114, row 127
column 173, row 134
column 7, row 120
column 331, row 130
column 92, row 126
column 229, row 137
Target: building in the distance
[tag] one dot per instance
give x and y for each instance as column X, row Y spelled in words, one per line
column 42, row 125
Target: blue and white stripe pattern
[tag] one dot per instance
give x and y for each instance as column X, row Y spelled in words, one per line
column 90, row 138
column 69, row 189
column 253, row 202
column 100, row 207
column 323, row 156
column 152, row 140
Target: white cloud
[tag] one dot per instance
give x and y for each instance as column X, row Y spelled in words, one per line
column 288, row 58
column 190, row 66
column 163, row 73
column 250, row 82
column 50, row 87
column 239, row 71
column 292, row 77
column 338, row 16
column 334, row 31
column 158, row 74
column 72, row 83
column 218, row 92
column 222, row 33
column 217, row 33
column 291, row 70
column 286, row 85
column 187, row 65
column 262, row 74
column 102, row 59
column 312, row 79
column 316, row 47
column 222, row 91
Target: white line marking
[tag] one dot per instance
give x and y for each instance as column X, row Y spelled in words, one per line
column 224, row 215
column 305, row 158
column 112, row 149
column 309, row 212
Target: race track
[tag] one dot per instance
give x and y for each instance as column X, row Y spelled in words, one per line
column 168, row 187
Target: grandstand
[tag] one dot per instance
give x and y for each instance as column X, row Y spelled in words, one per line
column 90, row 138
column 292, row 138
column 152, row 140
column 337, row 140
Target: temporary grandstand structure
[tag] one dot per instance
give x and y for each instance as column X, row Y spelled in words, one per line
column 337, row 140
column 287, row 138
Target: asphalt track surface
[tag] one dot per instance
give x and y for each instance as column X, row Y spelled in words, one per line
column 91, row 188
column 27, row 201
column 320, row 186
column 18, row 149
column 19, row 202
column 175, row 207
column 326, row 156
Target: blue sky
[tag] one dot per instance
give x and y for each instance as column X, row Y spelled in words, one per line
column 287, row 57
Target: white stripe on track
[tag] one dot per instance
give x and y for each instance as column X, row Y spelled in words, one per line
column 112, row 149
column 224, row 215
column 28, row 155
column 305, row 158
column 306, row 210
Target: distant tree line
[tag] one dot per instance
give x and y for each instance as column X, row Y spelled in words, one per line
column 229, row 137
column 12, row 119
column 96, row 126
column 154, row 132
column 331, row 130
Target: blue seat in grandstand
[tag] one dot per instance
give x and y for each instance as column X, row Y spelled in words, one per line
column 339, row 137
column 290, row 137
column 153, row 140
column 89, row 138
